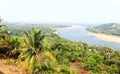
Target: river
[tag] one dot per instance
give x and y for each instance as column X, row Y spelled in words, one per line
column 80, row 34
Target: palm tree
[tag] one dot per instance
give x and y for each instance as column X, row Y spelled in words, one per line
column 34, row 54
column 4, row 32
column 4, row 37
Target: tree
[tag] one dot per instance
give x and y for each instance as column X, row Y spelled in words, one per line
column 4, row 32
column 4, row 37
column 34, row 55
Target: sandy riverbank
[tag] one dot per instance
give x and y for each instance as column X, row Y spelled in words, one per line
column 70, row 27
column 73, row 27
column 109, row 38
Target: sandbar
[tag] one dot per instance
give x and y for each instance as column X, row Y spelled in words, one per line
column 73, row 27
column 104, row 37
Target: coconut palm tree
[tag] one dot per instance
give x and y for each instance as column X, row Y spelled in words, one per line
column 4, row 37
column 4, row 32
column 34, row 54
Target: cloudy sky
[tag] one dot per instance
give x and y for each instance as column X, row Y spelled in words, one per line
column 61, row 11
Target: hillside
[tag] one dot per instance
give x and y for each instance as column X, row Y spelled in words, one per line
column 38, row 51
column 109, row 28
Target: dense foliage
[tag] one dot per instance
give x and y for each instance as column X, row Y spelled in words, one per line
column 47, row 53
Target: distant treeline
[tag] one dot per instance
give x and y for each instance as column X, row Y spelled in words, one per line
column 20, row 28
column 110, row 29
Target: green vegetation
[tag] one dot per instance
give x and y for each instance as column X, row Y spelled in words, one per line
column 47, row 53
column 110, row 29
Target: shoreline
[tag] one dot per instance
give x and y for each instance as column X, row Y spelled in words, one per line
column 104, row 37
column 69, row 27
column 73, row 27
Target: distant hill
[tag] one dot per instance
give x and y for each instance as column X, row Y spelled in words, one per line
column 109, row 28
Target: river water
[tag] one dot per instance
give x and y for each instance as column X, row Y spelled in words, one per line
column 80, row 34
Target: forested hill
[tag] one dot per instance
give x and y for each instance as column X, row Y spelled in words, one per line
column 109, row 28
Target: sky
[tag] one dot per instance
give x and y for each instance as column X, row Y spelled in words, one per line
column 60, row 11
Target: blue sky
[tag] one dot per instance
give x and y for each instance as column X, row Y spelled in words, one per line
column 61, row 11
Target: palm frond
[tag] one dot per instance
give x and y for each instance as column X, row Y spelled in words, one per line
column 50, row 56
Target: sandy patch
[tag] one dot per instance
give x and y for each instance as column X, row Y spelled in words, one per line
column 104, row 37
column 73, row 27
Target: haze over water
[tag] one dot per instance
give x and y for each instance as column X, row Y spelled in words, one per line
column 64, row 11
column 80, row 34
